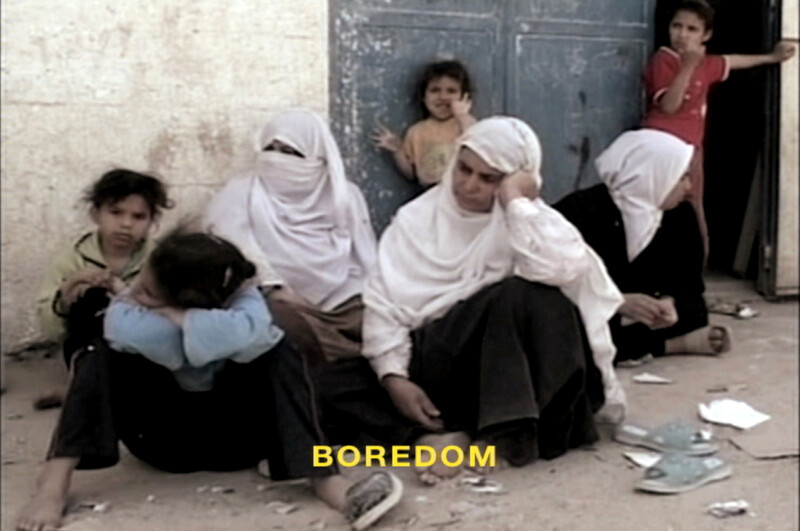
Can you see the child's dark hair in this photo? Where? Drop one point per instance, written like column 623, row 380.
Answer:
column 198, row 270
column 453, row 69
column 700, row 8
column 117, row 184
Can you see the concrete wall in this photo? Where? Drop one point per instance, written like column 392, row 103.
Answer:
column 174, row 87
column 786, row 280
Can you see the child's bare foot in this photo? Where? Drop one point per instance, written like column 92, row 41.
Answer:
column 45, row 510
column 50, row 399
column 431, row 475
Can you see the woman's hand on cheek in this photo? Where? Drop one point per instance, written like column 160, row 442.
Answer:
column 521, row 183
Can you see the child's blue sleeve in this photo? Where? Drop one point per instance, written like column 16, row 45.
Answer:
column 241, row 332
column 129, row 327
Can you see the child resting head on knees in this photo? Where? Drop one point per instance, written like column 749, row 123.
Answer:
column 194, row 311
column 185, row 273
column 124, row 205
column 677, row 80
column 191, row 270
column 443, row 92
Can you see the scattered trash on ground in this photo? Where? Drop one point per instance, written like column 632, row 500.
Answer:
column 202, row 489
column 280, row 507
column 472, row 511
column 647, row 378
column 732, row 412
column 263, row 468
column 727, row 388
column 316, row 525
column 223, row 490
column 733, row 309
column 150, row 498
column 729, row 508
column 481, row 485
column 15, row 416
column 628, row 364
column 410, row 521
column 98, row 507
column 421, row 499
column 642, row 459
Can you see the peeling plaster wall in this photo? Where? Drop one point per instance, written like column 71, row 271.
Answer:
column 174, row 87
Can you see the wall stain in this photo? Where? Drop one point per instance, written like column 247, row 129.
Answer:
column 162, row 152
column 216, row 142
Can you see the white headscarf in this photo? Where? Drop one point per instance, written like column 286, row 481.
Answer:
column 435, row 254
column 301, row 216
column 640, row 168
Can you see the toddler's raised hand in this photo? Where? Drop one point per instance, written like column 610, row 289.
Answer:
column 462, row 106
column 782, row 51
column 383, row 137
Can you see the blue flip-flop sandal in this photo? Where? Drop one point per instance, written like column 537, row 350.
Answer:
column 675, row 473
column 675, row 436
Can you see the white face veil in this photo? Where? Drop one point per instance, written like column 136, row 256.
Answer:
column 301, row 213
column 640, row 168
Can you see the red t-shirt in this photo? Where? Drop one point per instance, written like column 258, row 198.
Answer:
column 688, row 122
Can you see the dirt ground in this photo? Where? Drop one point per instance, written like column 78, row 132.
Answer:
column 587, row 489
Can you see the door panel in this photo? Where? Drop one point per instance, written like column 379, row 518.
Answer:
column 577, row 95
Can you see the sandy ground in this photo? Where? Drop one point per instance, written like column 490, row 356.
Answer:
column 587, row 489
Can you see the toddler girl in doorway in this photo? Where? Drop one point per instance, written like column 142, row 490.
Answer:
column 444, row 94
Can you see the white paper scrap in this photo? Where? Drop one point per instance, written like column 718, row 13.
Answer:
column 642, row 459
column 648, row 378
column 732, row 412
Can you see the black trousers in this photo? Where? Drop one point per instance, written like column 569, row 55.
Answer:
column 262, row 409
column 511, row 365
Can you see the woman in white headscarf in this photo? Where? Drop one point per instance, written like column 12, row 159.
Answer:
column 307, row 229
column 486, row 314
column 638, row 221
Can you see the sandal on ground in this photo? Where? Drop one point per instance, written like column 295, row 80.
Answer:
column 676, row 473
column 699, row 341
column 372, row 497
column 671, row 437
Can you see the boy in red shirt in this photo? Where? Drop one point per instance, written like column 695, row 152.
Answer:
column 677, row 80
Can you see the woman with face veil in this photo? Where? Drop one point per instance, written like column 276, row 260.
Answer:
column 486, row 314
column 307, row 229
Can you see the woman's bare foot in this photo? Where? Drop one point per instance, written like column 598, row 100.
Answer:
column 331, row 490
column 707, row 340
column 45, row 510
column 431, row 475
column 500, row 463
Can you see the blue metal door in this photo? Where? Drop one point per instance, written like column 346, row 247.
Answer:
column 570, row 69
